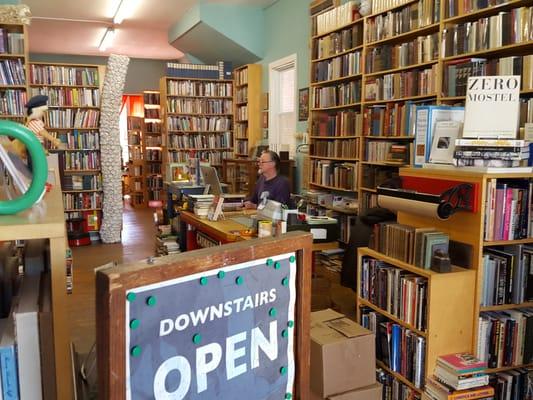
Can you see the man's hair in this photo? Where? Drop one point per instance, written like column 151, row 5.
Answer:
column 273, row 157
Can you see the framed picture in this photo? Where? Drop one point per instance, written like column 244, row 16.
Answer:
column 303, row 104
column 265, row 119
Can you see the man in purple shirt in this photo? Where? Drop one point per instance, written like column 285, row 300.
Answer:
column 270, row 185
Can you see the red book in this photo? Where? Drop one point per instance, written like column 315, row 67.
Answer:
column 462, row 363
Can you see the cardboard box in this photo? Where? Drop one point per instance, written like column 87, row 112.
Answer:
column 343, row 354
column 372, row 392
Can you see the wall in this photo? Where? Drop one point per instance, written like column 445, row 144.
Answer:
column 143, row 74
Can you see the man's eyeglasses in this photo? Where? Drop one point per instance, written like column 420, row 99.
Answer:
column 263, row 162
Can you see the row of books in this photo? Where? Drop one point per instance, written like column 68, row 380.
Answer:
column 152, row 141
column 153, row 155
column 389, row 119
column 153, row 168
column 399, row 348
column 402, row 84
column 152, row 127
column 241, row 131
column 154, row 182
column 220, row 70
column 75, row 161
column 199, row 106
column 502, row 29
column 388, row 152
column 395, row 291
column 415, row 16
column 419, row 50
column 135, row 153
column 61, row 75
column 72, row 118
column 11, row 42
column 72, row 97
column 241, row 113
column 338, row 95
column 200, row 141
column 241, row 147
column 241, row 94
column 369, row 200
column 213, row 157
column 338, row 67
column 338, row 42
column 12, row 72
column 79, row 140
column 454, row 8
column 335, row 18
column 507, row 275
column 513, row 385
column 241, row 77
column 339, row 124
column 135, row 171
column 81, row 182
column 154, row 195
column 412, row 245
column 373, row 176
column 152, row 113
column 505, row 338
column 508, row 212
column 198, row 123
column 345, row 224
column 82, row 201
column 151, row 98
column 394, row 389
column 13, row 102
column 135, row 123
column 384, row 5
column 336, row 148
column 200, row 89
column 334, row 174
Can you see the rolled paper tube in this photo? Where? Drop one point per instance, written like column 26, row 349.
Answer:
column 422, row 208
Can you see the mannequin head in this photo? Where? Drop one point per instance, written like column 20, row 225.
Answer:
column 37, row 106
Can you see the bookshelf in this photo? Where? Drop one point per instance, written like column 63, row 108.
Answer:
column 14, row 57
column 152, row 146
column 74, row 117
column 136, row 162
column 248, row 124
column 187, row 131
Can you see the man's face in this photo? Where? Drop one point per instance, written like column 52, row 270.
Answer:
column 265, row 164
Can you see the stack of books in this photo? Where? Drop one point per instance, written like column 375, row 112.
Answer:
column 459, row 376
column 492, row 153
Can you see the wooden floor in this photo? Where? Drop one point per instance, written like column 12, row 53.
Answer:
column 137, row 243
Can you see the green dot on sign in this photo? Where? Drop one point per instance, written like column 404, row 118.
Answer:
column 203, row 281
column 290, row 324
column 292, row 259
column 151, row 301
column 131, row 296
column 283, row 370
column 277, row 265
column 270, row 262
column 272, row 312
column 136, row 351
column 288, row 396
column 221, row 275
column 285, row 281
column 284, row 333
column 197, row 338
column 239, row 280
column 134, row 323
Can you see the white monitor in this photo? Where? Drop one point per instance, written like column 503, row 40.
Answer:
column 210, row 178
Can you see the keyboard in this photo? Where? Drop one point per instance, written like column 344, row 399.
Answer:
column 246, row 221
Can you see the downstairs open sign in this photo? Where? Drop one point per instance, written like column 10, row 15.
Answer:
column 226, row 326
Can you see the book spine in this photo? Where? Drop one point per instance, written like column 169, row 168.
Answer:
column 8, row 365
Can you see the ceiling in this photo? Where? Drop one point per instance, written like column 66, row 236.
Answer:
column 77, row 27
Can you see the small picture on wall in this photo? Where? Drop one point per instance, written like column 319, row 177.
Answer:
column 303, row 103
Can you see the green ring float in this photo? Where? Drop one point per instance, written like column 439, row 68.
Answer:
column 39, row 166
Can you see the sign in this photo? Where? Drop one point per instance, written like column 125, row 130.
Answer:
column 231, row 323
column 492, row 107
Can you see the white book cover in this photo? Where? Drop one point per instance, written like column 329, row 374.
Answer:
column 443, row 142
column 492, row 107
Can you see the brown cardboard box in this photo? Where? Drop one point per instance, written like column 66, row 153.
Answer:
column 372, row 392
column 343, row 355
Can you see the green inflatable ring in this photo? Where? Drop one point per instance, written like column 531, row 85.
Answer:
column 39, row 166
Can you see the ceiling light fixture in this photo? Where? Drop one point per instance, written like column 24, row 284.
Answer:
column 124, row 10
column 106, row 41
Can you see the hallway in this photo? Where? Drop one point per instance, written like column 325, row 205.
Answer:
column 137, row 243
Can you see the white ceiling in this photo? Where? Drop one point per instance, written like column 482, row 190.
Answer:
column 77, row 26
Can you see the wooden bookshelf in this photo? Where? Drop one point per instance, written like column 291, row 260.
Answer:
column 248, row 125
column 152, row 146
column 74, row 92
column 136, row 181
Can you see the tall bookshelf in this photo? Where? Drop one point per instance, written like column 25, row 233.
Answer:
column 197, row 120
column 14, row 51
column 152, row 146
column 248, row 123
column 137, row 165
column 74, row 118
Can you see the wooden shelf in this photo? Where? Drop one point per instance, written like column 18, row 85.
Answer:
column 12, row 55
column 420, row 97
column 340, row 28
column 353, row 49
column 62, row 85
column 406, row 35
column 72, row 129
column 390, row 316
column 174, row 78
column 199, row 149
column 82, row 209
column 407, row 3
column 338, row 209
column 198, row 114
column 337, row 107
column 12, row 87
column 494, row 51
column 383, row 164
column 200, row 97
column 389, row 137
column 486, row 11
column 502, row 369
column 335, row 158
column 504, row 307
column 343, row 78
column 77, row 107
column 401, row 378
column 12, row 116
column 508, row 242
column 332, row 187
column 369, row 190
column 333, row 137
column 82, row 171
column 184, row 131
column 400, row 69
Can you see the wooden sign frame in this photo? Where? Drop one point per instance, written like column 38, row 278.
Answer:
column 112, row 284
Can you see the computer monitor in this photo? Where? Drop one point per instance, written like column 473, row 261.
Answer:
column 210, row 177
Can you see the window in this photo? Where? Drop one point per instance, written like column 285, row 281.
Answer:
column 282, row 74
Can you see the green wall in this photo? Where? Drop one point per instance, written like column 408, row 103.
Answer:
column 143, row 74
